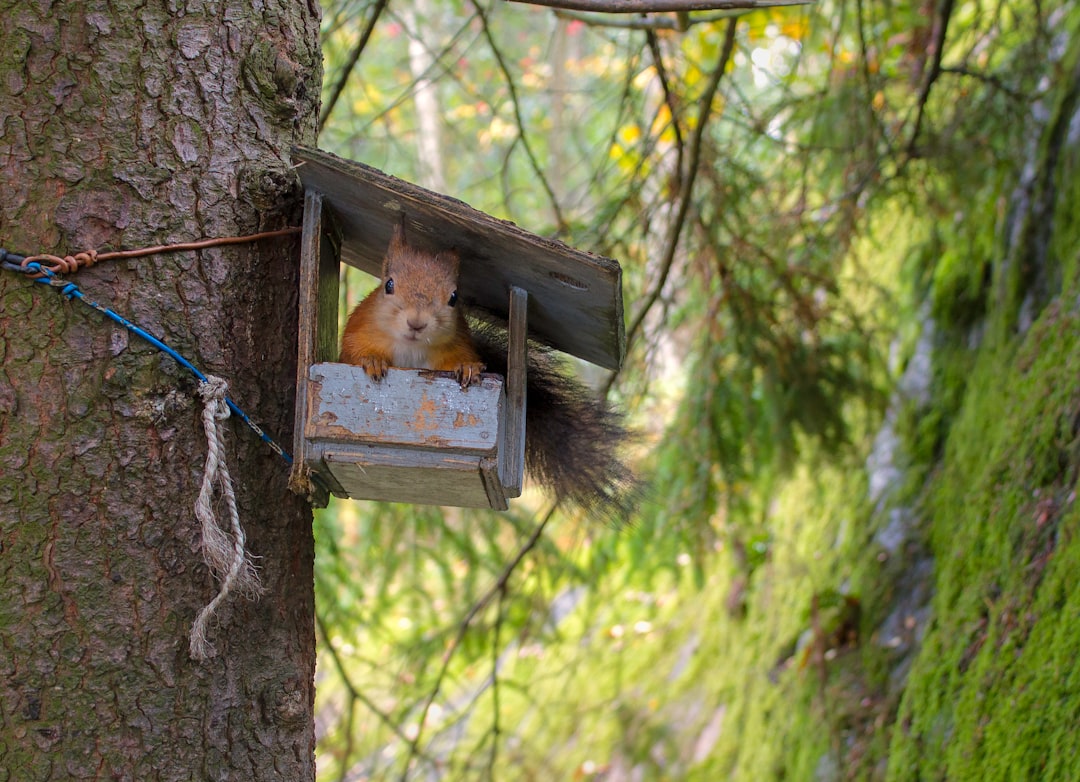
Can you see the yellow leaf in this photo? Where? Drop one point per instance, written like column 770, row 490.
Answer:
column 464, row 111
column 794, row 29
column 629, row 134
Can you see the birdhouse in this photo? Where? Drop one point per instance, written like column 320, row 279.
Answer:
column 416, row 436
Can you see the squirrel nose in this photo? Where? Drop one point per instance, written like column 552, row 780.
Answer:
column 417, row 324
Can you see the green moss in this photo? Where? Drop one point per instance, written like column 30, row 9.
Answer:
column 961, row 280
column 271, row 78
column 991, row 695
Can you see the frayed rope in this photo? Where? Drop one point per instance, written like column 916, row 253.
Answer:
column 222, row 546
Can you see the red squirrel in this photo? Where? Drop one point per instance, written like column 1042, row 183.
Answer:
column 413, row 319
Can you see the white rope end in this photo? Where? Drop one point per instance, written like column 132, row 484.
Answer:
column 223, row 546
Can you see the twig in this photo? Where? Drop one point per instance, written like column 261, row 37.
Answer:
column 867, row 81
column 350, row 64
column 669, row 98
column 688, row 179
column 437, row 69
column 658, row 6
column 941, row 26
column 560, row 221
column 989, row 78
column 354, row 693
column 485, row 600
column 495, row 683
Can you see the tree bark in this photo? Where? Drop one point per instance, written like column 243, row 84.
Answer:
column 125, row 124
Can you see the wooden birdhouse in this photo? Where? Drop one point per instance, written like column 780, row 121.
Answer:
column 416, row 436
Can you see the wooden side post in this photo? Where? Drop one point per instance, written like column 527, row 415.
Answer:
column 512, row 452
column 317, row 338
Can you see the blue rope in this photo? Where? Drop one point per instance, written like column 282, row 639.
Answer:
column 70, row 290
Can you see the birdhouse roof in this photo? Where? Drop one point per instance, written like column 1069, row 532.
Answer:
column 575, row 297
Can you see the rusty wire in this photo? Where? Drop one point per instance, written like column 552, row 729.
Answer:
column 72, row 263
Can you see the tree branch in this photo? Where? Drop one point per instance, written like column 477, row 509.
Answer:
column 658, row 6
column 941, row 26
column 680, row 24
column 989, row 78
column 355, row 696
column 497, row 589
column 669, row 99
column 689, row 177
column 560, row 221
column 495, row 728
column 354, row 57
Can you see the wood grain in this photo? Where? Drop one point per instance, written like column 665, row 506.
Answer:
column 512, row 470
column 414, row 436
column 317, row 331
column 575, row 297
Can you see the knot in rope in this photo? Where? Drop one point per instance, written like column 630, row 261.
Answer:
column 223, row 546
column 213, row 390
column 64, row 265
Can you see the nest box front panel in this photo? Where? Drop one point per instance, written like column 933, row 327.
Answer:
column 405, row 408
column 414, row 436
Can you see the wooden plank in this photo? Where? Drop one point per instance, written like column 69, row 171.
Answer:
column 327, row 290
column 310, row 239
column 315, row 254
column 496, row 492
column 419, row 477
column 575, row 297
column 512, row 451
column 407, row 408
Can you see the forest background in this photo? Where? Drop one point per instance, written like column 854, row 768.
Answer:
column 849, row 239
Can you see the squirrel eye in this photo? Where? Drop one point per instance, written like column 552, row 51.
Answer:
column 389, row 287
column 453, row 299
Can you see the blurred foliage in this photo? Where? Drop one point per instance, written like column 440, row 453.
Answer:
column 790, row 192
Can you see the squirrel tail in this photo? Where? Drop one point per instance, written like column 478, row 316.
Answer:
column 572, row 437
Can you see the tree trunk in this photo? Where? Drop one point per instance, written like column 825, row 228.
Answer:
column 125, row 124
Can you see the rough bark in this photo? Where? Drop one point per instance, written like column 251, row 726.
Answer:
column 125, row 124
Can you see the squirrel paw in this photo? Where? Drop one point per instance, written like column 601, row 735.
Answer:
column 468, row 373
column 374, row 366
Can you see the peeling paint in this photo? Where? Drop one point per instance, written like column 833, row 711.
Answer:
column 426, row 418
column 465, row 419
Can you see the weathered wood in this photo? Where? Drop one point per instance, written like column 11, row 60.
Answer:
column 414, row 436
column 317, row 338
column 327, row 291
column 498, row 497
column 576, row 297
column 512, row 462
column 418, row 477
column 414, row 408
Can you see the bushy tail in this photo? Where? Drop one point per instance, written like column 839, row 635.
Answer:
column 572, row 437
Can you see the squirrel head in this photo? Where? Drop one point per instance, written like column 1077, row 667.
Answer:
column 419, row 293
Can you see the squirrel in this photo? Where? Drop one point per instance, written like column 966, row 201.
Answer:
column 412, row 320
